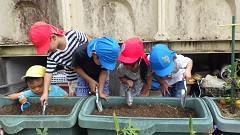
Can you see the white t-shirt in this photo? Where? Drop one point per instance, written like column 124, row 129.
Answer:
column 180, row 64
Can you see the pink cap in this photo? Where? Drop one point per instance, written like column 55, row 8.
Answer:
column 40, row 33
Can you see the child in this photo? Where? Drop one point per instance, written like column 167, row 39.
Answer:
column 134, row 70
column 60, row 45
column 170, row 70
column 92, row 62
column 34, row 78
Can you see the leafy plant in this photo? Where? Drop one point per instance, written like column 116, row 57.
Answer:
column 192, row 132
column 235, row 80
column 39, row 132
column 234, row 83
column 129, row 130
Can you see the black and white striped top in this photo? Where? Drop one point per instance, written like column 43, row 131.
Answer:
column 64, row 57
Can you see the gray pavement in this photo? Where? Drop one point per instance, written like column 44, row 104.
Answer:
column 154, row 93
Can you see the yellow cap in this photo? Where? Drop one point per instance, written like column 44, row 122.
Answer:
column 35, row 71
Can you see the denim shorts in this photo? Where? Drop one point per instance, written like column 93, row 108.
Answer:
column 176, row 89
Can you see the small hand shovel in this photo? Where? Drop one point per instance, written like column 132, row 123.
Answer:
column 184, row 95
column 23, row 106
column 129, row 96
column 98, row 102
column 44, row 108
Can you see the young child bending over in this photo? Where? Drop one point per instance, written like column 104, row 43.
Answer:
column 34, row 78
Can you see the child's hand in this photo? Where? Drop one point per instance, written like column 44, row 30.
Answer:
column 92, row 85
column 130, row 83
column 65, row 95
column 104, row 96
column 43, row 98
column 164, row 88
column 23, row 100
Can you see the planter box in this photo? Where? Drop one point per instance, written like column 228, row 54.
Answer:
column 223, row 123
column 104, row 125
column 57, row 124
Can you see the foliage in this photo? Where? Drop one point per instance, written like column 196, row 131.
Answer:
column 129, row 130
column 234, row 83
column 39, row 132
column 192, row 132
column 235, row 80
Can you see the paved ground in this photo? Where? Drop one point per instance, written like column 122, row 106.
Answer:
column 155, row 93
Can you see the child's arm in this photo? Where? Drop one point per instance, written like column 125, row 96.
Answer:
column 163, row 85
column 147, row 86
column 121, row 73
column 88, row 38
column 187, row 73
column 102, row 80
column 125, row 80
column 47, row 82
column 92, row 82
column 14, row 96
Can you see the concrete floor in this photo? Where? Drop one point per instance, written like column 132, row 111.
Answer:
column 155, row 93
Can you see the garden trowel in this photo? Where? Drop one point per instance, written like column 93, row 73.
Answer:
column 23, row 106
column 184, row 94
column 98, row 101
column 44, row 108
column 129, row 96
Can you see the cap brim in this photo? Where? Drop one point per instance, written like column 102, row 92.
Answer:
column 127, row 59
column 108, row 66
column 23, row 78
column 44, row 48
column 165, row 71
column 30, row 75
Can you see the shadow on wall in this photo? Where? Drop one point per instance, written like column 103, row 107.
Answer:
column 114, row 82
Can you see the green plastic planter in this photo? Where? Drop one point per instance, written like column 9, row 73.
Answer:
column 230, row 125
column 104, row 125
column 57, row 124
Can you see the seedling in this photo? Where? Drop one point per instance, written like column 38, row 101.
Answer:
column 192, row 132
column 129, row 130
column 44, row 132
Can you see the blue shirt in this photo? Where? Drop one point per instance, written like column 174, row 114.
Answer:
column 55, row 91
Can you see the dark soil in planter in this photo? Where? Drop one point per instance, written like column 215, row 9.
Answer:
column 35, row 109
column 156, row 110
column 225, row 111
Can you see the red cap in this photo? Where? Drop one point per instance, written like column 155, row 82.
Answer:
column 131, row 50
column 40, row 33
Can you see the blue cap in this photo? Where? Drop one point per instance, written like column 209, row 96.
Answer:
column 107, row 50
column 161, row 59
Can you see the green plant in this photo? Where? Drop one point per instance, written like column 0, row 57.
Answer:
column 39, row 132
column 129, row 130
column 233, row 80
column 192, row 132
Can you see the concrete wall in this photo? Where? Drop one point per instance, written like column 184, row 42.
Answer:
column 16, row 17
column 151, row 20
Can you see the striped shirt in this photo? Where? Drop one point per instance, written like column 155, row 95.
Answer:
column 64, row 57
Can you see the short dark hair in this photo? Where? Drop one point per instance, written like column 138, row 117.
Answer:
column 31, row 79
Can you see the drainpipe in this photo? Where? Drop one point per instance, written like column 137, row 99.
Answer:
column 7, row 85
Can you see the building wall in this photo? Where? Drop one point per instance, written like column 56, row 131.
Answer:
column 151, row 20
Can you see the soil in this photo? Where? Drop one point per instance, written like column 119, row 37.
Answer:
column 35, row 109
column 156, row 110
column 136, row 110
column 225, row 111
